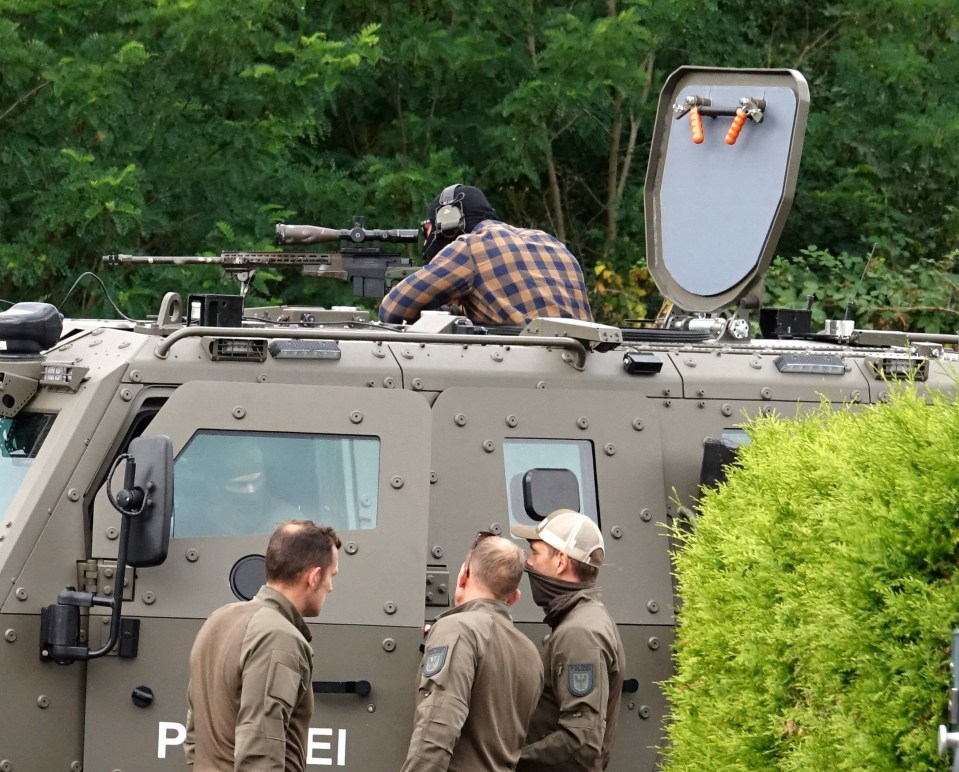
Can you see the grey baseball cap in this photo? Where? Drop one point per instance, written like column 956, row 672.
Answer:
column 569, row 532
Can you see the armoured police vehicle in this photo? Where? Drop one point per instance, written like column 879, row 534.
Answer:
column 144, row 463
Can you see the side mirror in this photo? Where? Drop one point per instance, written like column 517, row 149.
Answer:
column 153, row 475
column 146, row 503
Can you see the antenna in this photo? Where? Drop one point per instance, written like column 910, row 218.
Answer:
column 850, row 302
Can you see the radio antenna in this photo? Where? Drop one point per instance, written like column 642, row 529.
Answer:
column 849, row 304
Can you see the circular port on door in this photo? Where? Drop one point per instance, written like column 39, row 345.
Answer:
column 247, row 576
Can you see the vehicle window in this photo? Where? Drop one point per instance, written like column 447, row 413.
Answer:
column 735, row 437
column 22, row 437
column 546, row 468
column 232, row 483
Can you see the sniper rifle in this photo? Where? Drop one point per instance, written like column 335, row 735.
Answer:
column 360, row 259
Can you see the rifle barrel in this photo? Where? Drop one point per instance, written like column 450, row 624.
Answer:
column 228, row 260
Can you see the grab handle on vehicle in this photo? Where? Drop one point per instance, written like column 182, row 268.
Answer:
column 361, row 688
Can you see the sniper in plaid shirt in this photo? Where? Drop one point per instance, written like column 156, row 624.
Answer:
column 500, row 274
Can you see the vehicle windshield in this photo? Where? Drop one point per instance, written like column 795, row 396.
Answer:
column 22, row 437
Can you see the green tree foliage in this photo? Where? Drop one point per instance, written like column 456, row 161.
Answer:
column 922, row 295
column 157, row 126
column 547, row 106
column 819, row 595
column 881, row 159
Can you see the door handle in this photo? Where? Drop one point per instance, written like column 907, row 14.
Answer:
column 361, row 688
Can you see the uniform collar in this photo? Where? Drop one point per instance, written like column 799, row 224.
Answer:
column 559, row 608
column 489, row 605
column 275, row 599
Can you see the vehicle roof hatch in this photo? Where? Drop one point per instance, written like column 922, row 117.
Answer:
column 720, row 182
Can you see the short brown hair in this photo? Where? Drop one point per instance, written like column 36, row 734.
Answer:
column 497, row 564
column 296, row 546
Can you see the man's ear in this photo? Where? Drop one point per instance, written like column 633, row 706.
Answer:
column 314, row 576
column 463, row 576
column 514, row 597
column 564, row 565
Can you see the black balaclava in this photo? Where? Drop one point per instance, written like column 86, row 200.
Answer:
column 476, row 208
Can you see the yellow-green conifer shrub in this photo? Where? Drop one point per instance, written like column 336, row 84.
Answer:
column 819, row 594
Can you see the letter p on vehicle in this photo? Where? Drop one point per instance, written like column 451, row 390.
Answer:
column 170, row 734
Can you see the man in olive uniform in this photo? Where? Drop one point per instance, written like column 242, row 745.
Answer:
column 575, row 720
column 250, row 694
column 480, row 676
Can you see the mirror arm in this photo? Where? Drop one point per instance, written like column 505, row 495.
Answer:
column 116, row 602
column 129, row 502
column 71, row 597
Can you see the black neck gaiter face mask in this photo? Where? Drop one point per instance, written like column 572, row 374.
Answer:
column 546, row 589
column 434, row 244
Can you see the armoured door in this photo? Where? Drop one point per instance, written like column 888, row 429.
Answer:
column 247, row 457
column 506, row 456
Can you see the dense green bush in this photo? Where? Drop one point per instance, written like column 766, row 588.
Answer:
column 819, row 594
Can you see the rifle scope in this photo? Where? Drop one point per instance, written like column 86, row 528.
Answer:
column 315, row 234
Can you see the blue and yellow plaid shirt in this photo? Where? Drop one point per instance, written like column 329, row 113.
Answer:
column 499, row 274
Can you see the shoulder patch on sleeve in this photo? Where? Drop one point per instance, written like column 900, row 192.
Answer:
column 580, row 679
column 434, row 660
column 284, row 684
